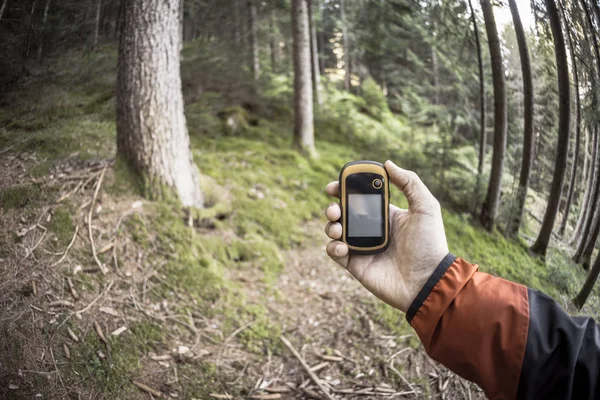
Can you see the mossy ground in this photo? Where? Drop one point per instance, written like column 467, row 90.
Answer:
column 260, row 194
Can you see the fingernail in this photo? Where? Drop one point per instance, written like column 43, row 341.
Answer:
column 338, row 251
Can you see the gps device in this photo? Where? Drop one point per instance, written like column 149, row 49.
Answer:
column 364, row 200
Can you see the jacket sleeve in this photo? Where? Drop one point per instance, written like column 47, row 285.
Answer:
column 512, row 341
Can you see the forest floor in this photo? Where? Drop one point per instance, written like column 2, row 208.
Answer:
column 107, row 295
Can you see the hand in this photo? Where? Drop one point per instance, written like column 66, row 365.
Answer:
column 417, row 243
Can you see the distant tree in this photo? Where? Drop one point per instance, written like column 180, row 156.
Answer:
column 526, row 160
column 490, row 207
column 482, row 124
column 152, row 135
column 573, row 176
column 97, row 24
column 345, row 45
column 274, row 41
column 303, row 96
column 253, row 38
column 314, row 54
column 42, row 35
column 562, row 145
column 2, row 7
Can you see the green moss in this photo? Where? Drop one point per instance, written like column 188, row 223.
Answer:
column 61, row 225
column 19, row 196
column 124, row 180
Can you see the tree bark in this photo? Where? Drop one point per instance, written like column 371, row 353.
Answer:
column 588, row 285
column 152, row 134
column 40, row 50
column 589, row 215
column 253, row 30
column 314, row 55
column 562, row 145
column 181, row 22
column 587, row 199
column 274, row 42
column 237, row 34
column 2, row 7
column 346, row 45
column 490, row 207
column 303, row 96
column 590, row 242
column 482, row 124
column 97, row 25
column 573, row 178
column 515, row 222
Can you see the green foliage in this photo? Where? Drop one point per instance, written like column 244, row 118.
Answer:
column 61, row 225
column 375, row 101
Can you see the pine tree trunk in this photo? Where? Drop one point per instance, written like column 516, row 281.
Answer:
column 151, row 128
column 562, row 145
column 181, row 22
column 42, row 34
column 588, row 285
column 274, row 42
column 573, row 179
column 253, row 30
column 590, row 242
column 314, row 55
column 2, row 7
column 490, row 207
column 346, row 46
column 97, row 25
column 482, row 124
column 587, row 198
column 515, row 222
column 303, row 96
column 237, row 26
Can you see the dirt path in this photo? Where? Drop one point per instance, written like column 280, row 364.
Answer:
column 333, row 322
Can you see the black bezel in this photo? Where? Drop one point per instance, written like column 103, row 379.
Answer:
column 361, row 183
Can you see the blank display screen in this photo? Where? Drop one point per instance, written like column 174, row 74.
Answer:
column 364, row 215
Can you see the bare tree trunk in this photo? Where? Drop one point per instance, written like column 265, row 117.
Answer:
column 434, row 63
column 237, row 34
column 152, row 134
column 587, row 199
column 253, row 30
column 590, row 242
column 482, row 127
column 573, row 179
column 303, row 96
column 562, row 145
column 181, row 23
column 314, row 55
column 490, row 207
column 97, row 26
column 274, row 42
column 587, row 221
column 40, row 50
column 515, row 222
column 588, row 285
column 2, row 7
column 346, row 45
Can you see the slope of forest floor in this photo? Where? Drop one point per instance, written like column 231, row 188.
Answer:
column 195, row 305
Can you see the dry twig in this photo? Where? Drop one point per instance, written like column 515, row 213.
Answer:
column 100, row 265
column 106, row 289
column 148, row 389
column 64, row 255
column 312, row 375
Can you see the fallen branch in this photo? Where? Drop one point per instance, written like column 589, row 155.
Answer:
column 100, row 265
column 64, row 255
column 106, row 289
column 310, row 373
column 30, row 251
column 148, row 389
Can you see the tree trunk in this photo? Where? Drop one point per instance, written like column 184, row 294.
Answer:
column 181, row 22
column 434, row 62
column 303, row 96
column 314, row 55
column 590, row 242
column 562, row 145
column 588, row 285
column 573, row 179
column 2, row 7
column 482, row 130
column 587, row 199
column 42, row 34
column 490, row 207
column 97, row 25
column 237, row 26
column 345, row 45
column 253, row 30
column 515, row 222
column 587, row 221
column 151, row 128
column 274, row 42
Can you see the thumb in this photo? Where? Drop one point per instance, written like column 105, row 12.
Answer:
column 410, row 184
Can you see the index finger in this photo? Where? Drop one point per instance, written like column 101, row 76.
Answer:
column 333, row 189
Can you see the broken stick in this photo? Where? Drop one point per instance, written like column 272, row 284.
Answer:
column 310, row 373
column 100, row 265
